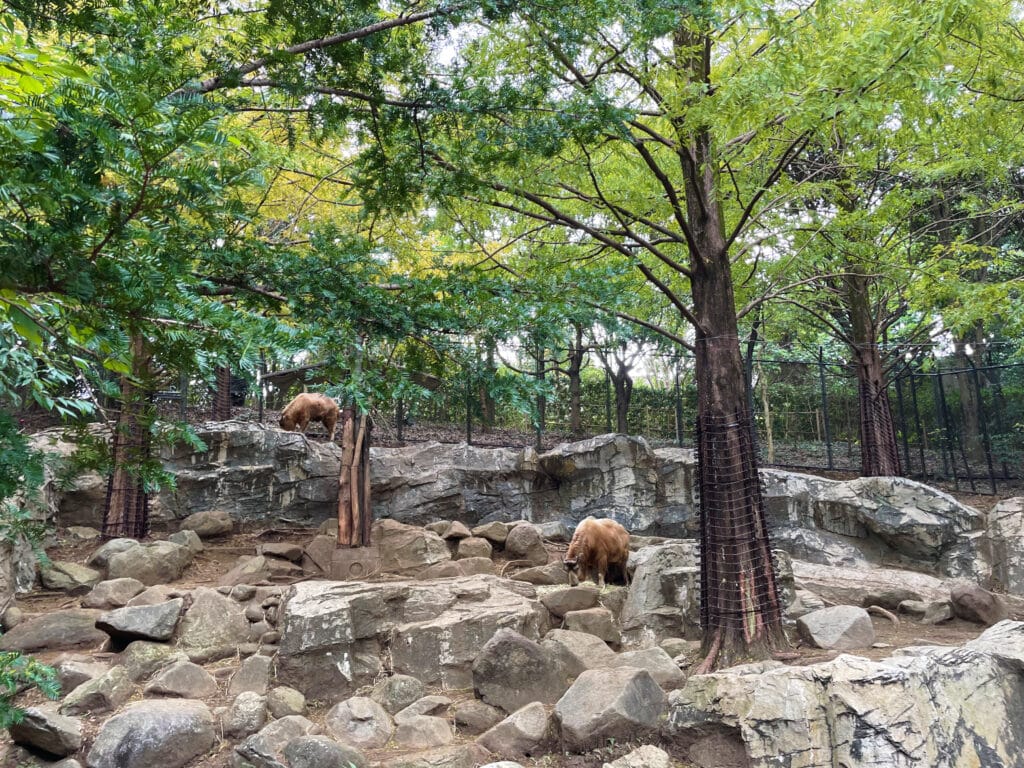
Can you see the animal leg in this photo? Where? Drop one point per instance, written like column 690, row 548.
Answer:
column 602, row 568
column 331, row 422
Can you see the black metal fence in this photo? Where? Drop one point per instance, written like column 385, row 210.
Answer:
column 955, row 424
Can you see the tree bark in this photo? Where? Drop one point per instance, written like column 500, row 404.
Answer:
column 576, row 354
column 222, row 394
column 740, row 610
column 879, row 449
column 126, row 512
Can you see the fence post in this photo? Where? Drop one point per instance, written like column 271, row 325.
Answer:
column 607, row 401
column 469, row 406
column 917, row 423
column 984, row 423
column 824, row 406
column 679, row 407
column 898, row 383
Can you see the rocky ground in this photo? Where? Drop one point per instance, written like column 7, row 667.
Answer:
column 221, row 554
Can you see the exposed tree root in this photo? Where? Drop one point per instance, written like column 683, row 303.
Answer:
column 880, row 611
column 709, row 661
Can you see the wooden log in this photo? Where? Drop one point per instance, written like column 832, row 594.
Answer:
column 345, row 531
column 355, row 487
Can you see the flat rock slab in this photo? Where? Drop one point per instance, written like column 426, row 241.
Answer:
column 143, row 622
column 68, row 630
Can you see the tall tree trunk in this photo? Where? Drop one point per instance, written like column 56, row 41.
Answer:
column 487, row 406
column 222, row 394
column 623, row 384
column 740, row 611
column 126, row 512
column 879, row 449
column 576, row 354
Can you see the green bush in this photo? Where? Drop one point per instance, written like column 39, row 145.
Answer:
column 18, row 672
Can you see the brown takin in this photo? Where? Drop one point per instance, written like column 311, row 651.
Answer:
column 307, row 407
column 598, row 546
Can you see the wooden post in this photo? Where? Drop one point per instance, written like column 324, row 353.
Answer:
column 345, row 532
column 355, row 515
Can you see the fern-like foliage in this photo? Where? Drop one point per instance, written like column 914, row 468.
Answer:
column 18, row 673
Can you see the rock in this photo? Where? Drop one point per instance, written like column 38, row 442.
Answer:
column 82, row 533
column 184, row 680
column 459, row 756
column 677, row 646
column 321, row 752
column 101, row 557
column 69, row 577
column 212, row 627
column 846, row 586
column 101, row 694
column 248, row 570
column 474, row 716
column 554, row 530
column 841, row 627
column 438, row 527
column 594, row 621
column 253, row 675
column 158, row 593
column 663, row 596
column 473, row 546
column 113, row 593
column 405, row 549
column 646, row 756
column 656, row 661
column 318, row 553
column 495, row 532
column 435, row 706
column 142, row 658
column 72, row 672
column 524, row 732
column 157, row 563
column 524, row 542
column 146, row 622
column 546, row 575
column 621, row 704
column 209, row 523
column 472, row 566
column 361, row 722
column 937, row 612
column 972, row 603
column 164, row 733
column 44, row 728
column 446, row 570
column 283, row 549
column 503, row 764
column 513, row 671
column 11, row 618
column 578, row 651
column 561, row 601
column 1006, row 544
column 189, row 539
column 243, row 593
column 67, row 630
column 889, row 599
column 397, row 692
column 246, row 715
column 334, row 633
column 283, row 701
column 455, row 530
column 803, row 603
column 265, row 749
column 423, row 732
column 936, row 707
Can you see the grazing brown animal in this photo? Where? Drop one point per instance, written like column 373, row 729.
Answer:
column 307, row 407
column 597, row 546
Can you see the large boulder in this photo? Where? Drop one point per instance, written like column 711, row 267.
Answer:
column 156, row 563
column 44, row 728
column 1006, row 544
column 67, row 630
column 407, row 550
column 513, row 671
column 929, row 706
column 169, row 734
column 144, row 622
column 333, row 634
column 663, row 597
column 523, row 732
column 213, row 626
column 840, row 627
column 361, row 722
column 603, row 704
